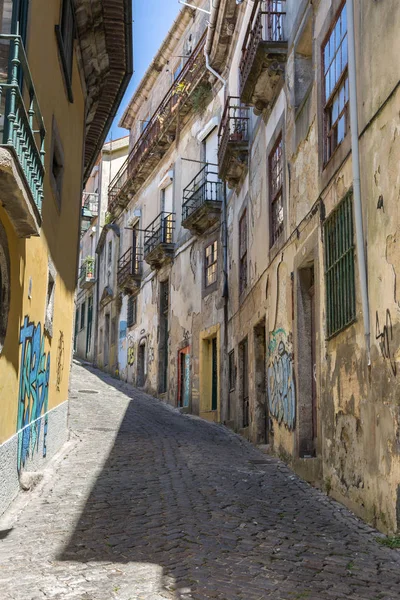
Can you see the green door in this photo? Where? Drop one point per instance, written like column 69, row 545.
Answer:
column 89, row 325
column 214, row 383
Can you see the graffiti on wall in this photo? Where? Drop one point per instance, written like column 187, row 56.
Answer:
column 33, row 394
column 280, row 376
column 60, row 360
column 384, row 337
column 122, row 346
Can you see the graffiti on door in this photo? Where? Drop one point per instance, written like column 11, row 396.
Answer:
column 281, row 384
column 33, row 391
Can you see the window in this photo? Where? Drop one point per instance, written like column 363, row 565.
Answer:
column 144, row 123
column 243, row 252
column 275, row 173
column 51, row 287
column 65, row 33
column 57, row 165
column 109, row 252
column 211, row 264
column 177, row 71
column 232, row 371
column 132, row 311
column 336, row 85
column 83, row 313
column 339, row 267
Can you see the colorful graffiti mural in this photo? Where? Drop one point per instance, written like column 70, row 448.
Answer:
column 281, row 384
column 33, row 391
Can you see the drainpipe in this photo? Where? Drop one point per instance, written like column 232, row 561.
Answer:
column 214, row 6
column 362, row 267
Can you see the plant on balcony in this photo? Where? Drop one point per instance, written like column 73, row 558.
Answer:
column 88, row 264
column 200, row 97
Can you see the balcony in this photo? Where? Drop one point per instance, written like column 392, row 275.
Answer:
column 87, row 274
column 159, row 240
column 264, row 54
column 202, row 200
column 160, row 131
column 233, row 142
column 90, row 205
column 22, row 136
column 129, row 273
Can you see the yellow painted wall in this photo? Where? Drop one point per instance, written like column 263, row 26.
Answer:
column 60, row 229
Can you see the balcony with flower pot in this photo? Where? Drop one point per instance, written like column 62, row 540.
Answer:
column 87, row 273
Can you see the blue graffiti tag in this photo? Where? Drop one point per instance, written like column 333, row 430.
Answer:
column 281, row 385
column 33, row 391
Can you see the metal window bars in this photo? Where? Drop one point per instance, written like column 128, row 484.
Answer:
column 160, row 231
column 130, row 264
column 204, row 187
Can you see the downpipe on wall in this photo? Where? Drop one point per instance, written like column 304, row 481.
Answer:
column 362, row 267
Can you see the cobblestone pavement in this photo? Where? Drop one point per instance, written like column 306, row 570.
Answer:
column 146, row 504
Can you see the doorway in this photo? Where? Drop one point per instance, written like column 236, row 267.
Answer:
column 307, row 368
column 261, row 415
column 210, row 367
column 184, row 377
column 164, row 337
column 141, row 364
column 107, row 339
column 89, row 326
column 244, row 381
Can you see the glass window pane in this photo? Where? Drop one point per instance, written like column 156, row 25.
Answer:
column 341, row 129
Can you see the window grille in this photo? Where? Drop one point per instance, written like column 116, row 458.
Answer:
column 339, row 267
column 232, row 371
column 132, row 311
column 275, row 167
column 336, row 84
column 243, row 252
column 211, row 263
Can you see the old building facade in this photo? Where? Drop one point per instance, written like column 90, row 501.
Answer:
column 257, row 287
column 94, row 211
column 63, row 69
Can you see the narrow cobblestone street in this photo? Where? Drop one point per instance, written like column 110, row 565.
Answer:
column 145, row 504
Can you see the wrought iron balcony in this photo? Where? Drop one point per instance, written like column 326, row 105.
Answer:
column 202, row 200
column 159, row 240
column 87, row 274
column 90, row 205
column 160, row 131
column 22, row 136
column 264, row 54
column 233, row 142
column 129, row 273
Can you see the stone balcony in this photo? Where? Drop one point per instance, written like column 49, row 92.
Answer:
column 129, row 273
column 159, row 243
column 22, row 136
column 264, row 54
column 233, row 142
column 202, row 200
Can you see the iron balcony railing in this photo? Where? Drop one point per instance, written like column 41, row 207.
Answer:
column 160, row 231
column 129, row 265
column 87, row 273
column 90, row 202
column 266, row 25
column 178, row 92
column 205, row 187
column 234, row 126
column 23, row 128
